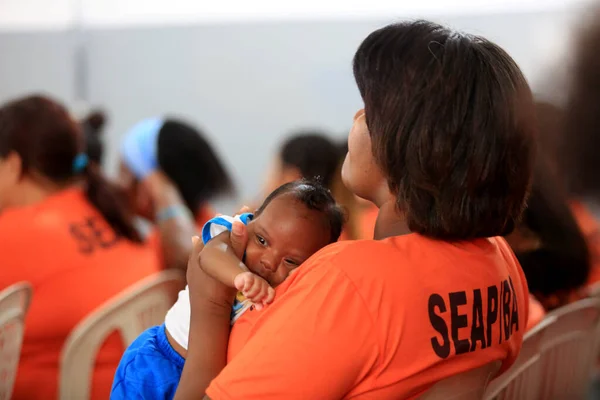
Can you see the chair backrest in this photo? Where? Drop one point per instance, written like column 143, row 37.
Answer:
column 469, row 385
column 137, row 308
column 523, row 379
column 14, row 302
column 570, row 349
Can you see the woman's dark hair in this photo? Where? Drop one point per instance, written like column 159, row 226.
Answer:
column 314, row 196
column 562, row 261
column 187, row 158
column 92, row 126
column 452, row 126
column 581, row 134
column 313, row 154
column 48, row 141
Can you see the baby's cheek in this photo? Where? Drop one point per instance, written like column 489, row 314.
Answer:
column 252, row 254
column 282, row 273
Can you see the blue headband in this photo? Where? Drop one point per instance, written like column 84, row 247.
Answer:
column 80, row 162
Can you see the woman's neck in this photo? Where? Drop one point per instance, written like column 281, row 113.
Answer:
column 390, row 222
column 32, row 191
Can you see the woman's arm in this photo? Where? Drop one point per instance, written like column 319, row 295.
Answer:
column 210, row 302
column 219, row 260
column 208, row 340
column 174, row 222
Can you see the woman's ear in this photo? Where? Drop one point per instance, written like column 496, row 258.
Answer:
column 359, row 114
column 12, row 167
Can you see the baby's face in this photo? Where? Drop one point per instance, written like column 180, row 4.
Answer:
column 282, row 237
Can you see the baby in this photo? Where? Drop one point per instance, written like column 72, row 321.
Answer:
column 294, row 222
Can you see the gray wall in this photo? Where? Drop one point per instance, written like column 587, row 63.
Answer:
column 40, row 62
column 247, row 85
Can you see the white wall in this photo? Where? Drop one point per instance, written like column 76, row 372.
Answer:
column 64, row 14
column 249, row 76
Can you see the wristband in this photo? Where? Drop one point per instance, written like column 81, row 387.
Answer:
column 171, row 212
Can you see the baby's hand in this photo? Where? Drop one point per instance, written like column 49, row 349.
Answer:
column 254, row 288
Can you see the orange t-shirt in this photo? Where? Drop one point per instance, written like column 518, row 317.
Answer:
column 75, row 262
column 591, row 230
column 153, row 240
column 379, row 320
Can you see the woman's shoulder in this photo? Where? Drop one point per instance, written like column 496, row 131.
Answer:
column 357, row 253
column 393, row 247
column 407, row 254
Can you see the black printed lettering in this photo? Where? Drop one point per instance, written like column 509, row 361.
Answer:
column 477, row 329
column 93, row 234
column 500, row 313
column 506, row 309
column 514, row 316
column 437, row 322
column 85, row 243
column 458, row 321
column 475, row 318
column 492, row 311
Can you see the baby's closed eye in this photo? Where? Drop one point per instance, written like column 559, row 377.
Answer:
column 291, row 263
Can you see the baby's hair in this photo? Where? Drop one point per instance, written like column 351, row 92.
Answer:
column 314, row 196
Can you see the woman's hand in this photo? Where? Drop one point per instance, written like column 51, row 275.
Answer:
column 205, row 290
column 210, row 302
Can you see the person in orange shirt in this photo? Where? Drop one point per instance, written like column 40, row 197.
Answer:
column 191, row 175
column 551, row 248
column 449, row 120
column 579, row 134
column 575, row 129
column 66, row 231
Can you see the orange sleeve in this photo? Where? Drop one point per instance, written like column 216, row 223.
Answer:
column 304, row 349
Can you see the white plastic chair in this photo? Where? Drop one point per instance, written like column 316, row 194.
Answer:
column 14, row 302
column 569, row 350
column 469, row 385
column 137, row 308
column 523, row 379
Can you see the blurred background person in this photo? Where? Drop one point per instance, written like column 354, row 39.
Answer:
column 93, row 130
column 170, row 172
column 68, row 232
column 551, row 248
column 309, row 154
column 578, row 135
column 553, row 132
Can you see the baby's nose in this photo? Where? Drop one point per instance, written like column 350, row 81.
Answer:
column 268, row 264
